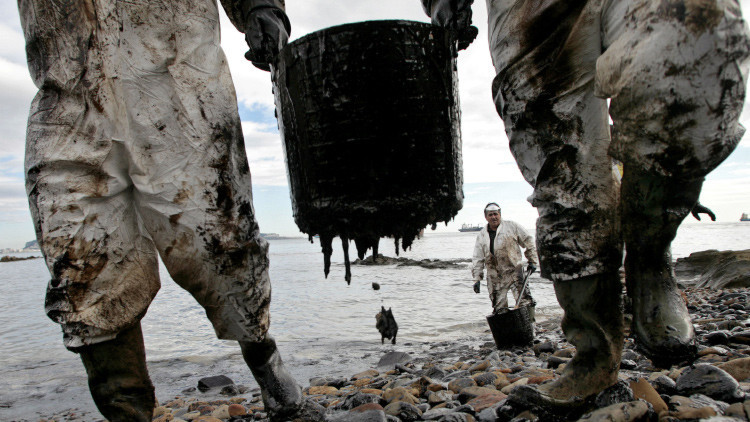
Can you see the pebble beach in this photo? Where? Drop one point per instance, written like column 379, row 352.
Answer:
column 470, row 380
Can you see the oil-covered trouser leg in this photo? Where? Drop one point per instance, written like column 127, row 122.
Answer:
column 188, row 165
column 103, row 266
column 545, row 56
column 676, row 73
column 118, row 377
column 497, row 287
column 593, row 323
column 193, row 192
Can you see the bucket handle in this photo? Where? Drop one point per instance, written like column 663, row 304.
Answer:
column 523, row 289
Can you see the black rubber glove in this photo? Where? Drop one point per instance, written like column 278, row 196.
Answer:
column 698, row 209
column 454, row 15
column 531, row 268
column 267, row 31
column 476, row 286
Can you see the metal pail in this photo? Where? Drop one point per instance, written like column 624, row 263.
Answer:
column 369, row 116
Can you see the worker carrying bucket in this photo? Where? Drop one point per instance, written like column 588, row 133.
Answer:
column 498, row 249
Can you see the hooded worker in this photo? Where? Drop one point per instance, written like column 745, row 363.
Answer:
column 498, row 250
column 135, row 148
column 675, row 72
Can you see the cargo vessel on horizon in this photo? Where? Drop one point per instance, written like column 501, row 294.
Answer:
column 470, row 227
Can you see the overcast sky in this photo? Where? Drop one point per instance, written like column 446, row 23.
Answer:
column 490, row 173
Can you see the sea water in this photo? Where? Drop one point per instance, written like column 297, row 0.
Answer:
column 322, row 325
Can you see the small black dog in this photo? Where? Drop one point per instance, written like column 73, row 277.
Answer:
column 386, row 324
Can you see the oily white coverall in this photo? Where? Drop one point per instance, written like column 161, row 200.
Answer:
column 134, row 147
column 504, row 267
column 675, row 71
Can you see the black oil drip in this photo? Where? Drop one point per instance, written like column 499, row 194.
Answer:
column 326, row 241
column 345, row 246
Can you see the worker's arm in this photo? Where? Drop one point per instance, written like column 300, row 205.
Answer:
column 527, row 242
column 477, row 264
column 265, row 25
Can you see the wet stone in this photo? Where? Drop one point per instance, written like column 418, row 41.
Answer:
column 358, row 399
column 620, row 392
column 739, row 369
column 438, row 397
column 389, row 360
column 664, row 385
column 620, row 412
column 742, row 337
column 704, row 401
column 545, row 347
column 628, row 364
column 739, row 410
column 436, row 414
column 485, row 378
column 710, row 381
column 485, row 401
column 684, row 408
column 366, row 413
column 459, row 384
column 404, row 411
column 470, row 393
column 457, row 374
column 554, row 361
column 717, row 337
column 457, row 417
column 207, row 383
column 645, row 391
column 435, row 373
column 400, row 394
column 487, row 415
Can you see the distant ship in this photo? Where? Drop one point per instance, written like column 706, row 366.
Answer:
column 470, row 228
column 745, row 217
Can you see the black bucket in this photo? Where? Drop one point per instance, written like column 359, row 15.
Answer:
column 514, row 328
column 369, row 115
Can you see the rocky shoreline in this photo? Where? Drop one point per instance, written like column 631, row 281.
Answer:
column 8, row 258
column 454, row 382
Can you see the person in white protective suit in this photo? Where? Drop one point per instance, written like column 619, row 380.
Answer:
column 498, row 249
column 675, row 72
column 134, row 148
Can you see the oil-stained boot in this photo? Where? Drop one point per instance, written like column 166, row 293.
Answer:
column 661, row 325
column 282, row 396
column 118, row 377
column 653, row 208
column 593, row 323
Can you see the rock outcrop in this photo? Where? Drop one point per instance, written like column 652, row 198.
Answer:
column 715, row 269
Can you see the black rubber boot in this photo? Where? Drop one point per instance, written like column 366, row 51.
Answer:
column 593, row 323
column 282, row 396
column 118, row 377
column 653, row 208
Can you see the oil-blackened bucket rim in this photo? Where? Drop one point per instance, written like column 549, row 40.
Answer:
column 379, row 23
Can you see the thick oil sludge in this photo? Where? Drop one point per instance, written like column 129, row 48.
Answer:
column 369, row 114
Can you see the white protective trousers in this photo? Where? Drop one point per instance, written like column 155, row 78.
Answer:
column 134, row 147
column 675, row 71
